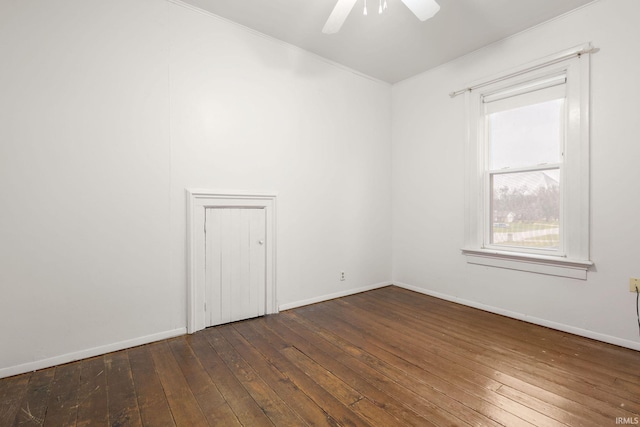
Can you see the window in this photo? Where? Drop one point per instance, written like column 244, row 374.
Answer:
column 527, row 201
column 524, row 143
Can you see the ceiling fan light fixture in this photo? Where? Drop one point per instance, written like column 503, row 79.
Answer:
column 423, row 9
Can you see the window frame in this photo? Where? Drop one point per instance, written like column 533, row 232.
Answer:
column 573, row 258
column 533, row 91
column 488, row 208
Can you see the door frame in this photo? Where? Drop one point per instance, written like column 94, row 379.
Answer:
column 198, row 200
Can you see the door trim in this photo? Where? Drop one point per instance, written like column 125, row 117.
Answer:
column 197, row 201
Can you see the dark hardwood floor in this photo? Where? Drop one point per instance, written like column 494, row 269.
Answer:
column 388, row 357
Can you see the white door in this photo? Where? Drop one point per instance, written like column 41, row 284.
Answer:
column 235, row 270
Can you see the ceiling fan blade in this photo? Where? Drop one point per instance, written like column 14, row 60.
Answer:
column 423, row 9
column 338, row 16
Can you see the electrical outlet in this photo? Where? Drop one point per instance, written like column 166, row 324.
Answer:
column 342, row 278
column 634, row 283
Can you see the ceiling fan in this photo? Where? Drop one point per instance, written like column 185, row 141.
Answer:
column 423, row 9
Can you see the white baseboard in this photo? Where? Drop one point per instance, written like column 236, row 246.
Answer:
column 296, row 304
column 535, row 320
column 96, row 351
column 91, row 352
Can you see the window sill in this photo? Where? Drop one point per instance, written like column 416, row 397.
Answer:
column 541, row 264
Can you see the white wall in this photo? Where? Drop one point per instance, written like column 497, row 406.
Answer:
column 109, row 110
column 428, row 181
column 84, row 183
column 252, row 114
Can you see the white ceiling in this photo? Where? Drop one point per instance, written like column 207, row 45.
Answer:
column 395, row 45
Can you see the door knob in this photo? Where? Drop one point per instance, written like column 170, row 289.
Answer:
column 261, row 242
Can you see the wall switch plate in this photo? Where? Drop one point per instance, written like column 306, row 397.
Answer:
column 633, row 283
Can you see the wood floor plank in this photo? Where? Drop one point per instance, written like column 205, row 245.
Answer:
column 527, row 367
column 243, row 405
column 526, row 339
column 553, row 346
column 555, row 379
column 212, row 403
column 152, row 401
column 93, row 409
column 487, row 403
column 462, row 416
column 183, row 405
column 273, row 406
column 629, row 387
column 490, row 360
column 477, row 344
column 445, row 403
column 302, row 404
column 386, row 357
column 350, row 389
column 596, row 352
column 270, row 347
column 349, row 397
column 403, row 403
column 34, row 403
column 62, row 409
column 555, row 411
column 339, row 389
column 492, row 378
column 448, row 353
column 12, row 391
column 123, row 403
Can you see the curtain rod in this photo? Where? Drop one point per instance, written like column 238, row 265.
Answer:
column 587, row 49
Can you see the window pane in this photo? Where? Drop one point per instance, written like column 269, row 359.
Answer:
column 525, row 209
column 526, row 136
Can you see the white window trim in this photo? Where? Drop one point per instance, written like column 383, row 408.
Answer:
column 573, row 261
